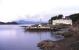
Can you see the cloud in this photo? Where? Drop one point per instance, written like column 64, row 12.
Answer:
column 17, row 9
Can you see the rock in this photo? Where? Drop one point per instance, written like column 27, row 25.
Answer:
column 74, row 46
column 46, row 44
column 68, row 34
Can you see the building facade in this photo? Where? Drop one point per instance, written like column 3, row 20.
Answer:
column 62, row 21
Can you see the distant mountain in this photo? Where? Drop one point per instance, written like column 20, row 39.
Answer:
column 20, row 22
column 3, row 23
column 26, row 22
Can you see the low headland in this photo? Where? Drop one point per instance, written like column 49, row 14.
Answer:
column 71, row 37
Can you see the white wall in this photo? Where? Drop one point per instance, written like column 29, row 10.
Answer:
column 64, row 21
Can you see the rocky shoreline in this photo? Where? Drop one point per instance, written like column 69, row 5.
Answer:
column 70, row 41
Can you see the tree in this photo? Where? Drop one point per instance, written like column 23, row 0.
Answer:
column 74, row 17
column 59, row 16
column 54, row 18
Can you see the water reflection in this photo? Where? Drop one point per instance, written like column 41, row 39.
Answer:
column 14, row 38
column 56, row 37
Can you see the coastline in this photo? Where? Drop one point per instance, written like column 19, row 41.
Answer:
column 68, row 41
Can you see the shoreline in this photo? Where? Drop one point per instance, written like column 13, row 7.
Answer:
column 68, row 41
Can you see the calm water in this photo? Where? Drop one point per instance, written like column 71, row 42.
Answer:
column 13, row 37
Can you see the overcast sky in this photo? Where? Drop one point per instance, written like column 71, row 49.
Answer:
column 33, row 9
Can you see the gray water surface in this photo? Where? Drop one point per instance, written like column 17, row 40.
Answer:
column 13, row 37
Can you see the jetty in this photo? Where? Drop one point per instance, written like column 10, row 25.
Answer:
column 40, row 27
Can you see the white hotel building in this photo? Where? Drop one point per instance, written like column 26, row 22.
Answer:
column 62, row 21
